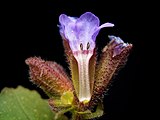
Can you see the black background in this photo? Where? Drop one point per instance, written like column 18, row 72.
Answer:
column 30, row 29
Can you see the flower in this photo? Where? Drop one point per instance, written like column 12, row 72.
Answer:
column 81, row 32
column 83, row 96
column 81, row 35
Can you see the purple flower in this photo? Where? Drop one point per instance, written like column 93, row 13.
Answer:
column 81, row 32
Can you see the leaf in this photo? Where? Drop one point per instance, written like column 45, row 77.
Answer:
column 23, row 104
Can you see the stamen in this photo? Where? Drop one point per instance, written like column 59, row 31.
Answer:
column 81, row 46
column 88, row 45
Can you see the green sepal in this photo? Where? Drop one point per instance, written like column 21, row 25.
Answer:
column 73, row 66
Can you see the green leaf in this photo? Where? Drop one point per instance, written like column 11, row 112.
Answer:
column 23, row 104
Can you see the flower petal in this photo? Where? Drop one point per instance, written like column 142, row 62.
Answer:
column 100, row 27
column 106, row 25
column 81, row 32
column 86, row 25
column 67, row 27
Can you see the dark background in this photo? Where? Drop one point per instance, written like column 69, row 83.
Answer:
column 30, row 29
